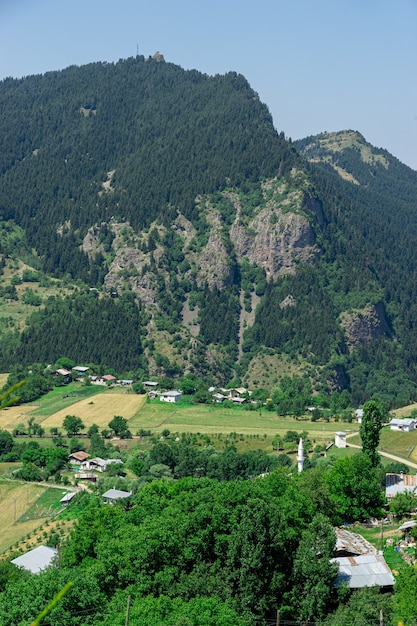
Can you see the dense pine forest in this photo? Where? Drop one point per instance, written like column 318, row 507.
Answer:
column 188, row 236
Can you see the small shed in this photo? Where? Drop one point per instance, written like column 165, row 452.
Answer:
column 340, row 440
column 37, row 559
column 170, row 396
column 67, row 498
column 112, row 495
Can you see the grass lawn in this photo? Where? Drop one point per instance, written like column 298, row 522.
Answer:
column 45, row 505
column 401, row 444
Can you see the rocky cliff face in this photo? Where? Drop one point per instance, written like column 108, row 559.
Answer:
column 280, row 234
column 276, row 232
column 364, row 326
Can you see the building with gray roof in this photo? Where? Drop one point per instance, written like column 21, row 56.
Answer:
column 37, row 559
column 364, row 570
column 112, row 495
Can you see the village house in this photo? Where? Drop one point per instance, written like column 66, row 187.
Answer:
column 360, row 564
column 405, row 425
column 103, row 380
column 66, row 375
column 170, row 396
column 359, row 416
column 98, row 464
column 76, row 458
column 81, row 370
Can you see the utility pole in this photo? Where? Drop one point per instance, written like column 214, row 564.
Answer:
column 127, row 611
column 278, row 620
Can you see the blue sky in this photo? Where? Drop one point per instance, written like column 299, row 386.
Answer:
column 319, row 65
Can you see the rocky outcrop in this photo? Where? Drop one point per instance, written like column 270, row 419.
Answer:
column 214, row 265
column 275, row 240
column 364, row 326
column 128, row 265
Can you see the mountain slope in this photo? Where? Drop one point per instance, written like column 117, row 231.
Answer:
column 172, row 192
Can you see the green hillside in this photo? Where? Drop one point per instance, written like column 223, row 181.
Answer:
column 188, row 236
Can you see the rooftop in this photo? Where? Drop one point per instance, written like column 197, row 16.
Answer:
column 37, row 559
column 365, row 570
column 116, row 494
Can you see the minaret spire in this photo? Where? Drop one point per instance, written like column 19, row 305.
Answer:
column 300, row 456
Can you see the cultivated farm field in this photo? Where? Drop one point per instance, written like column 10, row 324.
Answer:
column 99, row 410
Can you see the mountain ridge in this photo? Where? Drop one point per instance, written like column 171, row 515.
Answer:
column 173, row 190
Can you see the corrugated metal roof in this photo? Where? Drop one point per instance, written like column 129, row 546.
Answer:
column 399, row 483
column 68, row 497
column 346, row 541
column 365, row 570
column 408, row 525
column 115, row 494
column 37, row 559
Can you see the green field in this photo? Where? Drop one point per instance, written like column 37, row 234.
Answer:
column 46, row 505
column 193, row 418
column 61, row 398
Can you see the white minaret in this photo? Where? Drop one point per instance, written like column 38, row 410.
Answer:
column 300, row 456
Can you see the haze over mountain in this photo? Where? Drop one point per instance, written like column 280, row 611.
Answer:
column 211, row 243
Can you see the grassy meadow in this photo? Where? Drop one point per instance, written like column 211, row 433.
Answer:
column 209, row 419
column 15, row 499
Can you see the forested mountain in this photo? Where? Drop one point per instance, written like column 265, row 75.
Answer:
column 170, row 191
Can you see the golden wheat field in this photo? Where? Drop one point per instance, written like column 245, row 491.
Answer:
column 99, row 409
column 14, row 415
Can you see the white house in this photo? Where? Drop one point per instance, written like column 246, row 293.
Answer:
column 98, row 464
column 405, row 425
column 359, row 416
column 170, row 396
